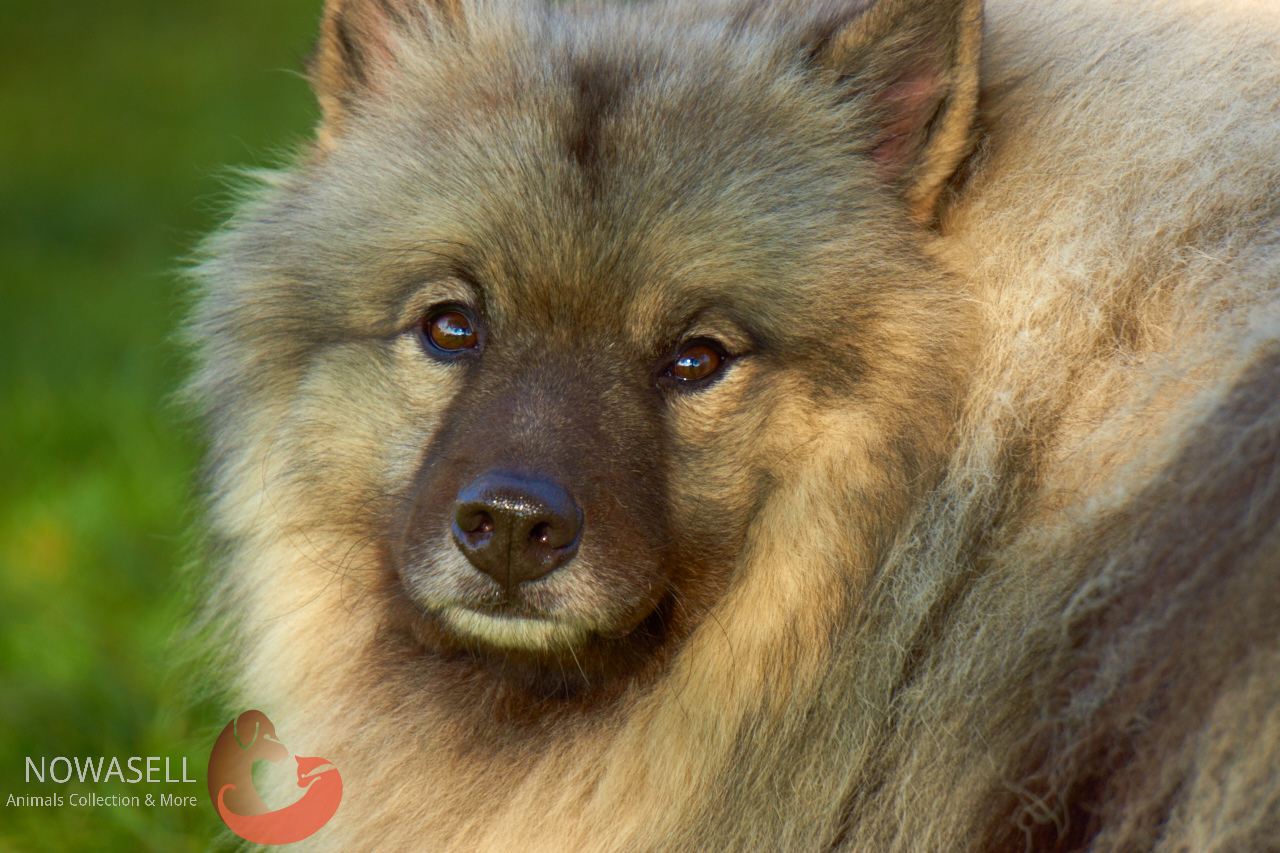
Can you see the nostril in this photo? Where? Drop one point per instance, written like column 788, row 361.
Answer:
column 541, row 533
column 559, row 531
column 479, row 523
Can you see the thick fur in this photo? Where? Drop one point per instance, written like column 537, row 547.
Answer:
column 975, row 547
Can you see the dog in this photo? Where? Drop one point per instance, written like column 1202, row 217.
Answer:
column 763, row 425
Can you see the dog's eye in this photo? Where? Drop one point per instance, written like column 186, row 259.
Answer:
column 695, row 364
column 450, row 330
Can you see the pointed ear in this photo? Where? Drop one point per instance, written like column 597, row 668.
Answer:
column 360, row 42
column 917, row 62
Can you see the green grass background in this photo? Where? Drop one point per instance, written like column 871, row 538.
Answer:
column 119, row 123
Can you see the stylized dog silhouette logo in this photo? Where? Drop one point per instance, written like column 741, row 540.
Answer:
column 245, row 739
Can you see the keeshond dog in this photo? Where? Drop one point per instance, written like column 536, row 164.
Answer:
column 763, row 425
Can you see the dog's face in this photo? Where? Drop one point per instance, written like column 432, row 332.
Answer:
column 605, row 317
column 565, row 303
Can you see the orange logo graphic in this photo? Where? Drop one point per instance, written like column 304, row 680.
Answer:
column 245, row 739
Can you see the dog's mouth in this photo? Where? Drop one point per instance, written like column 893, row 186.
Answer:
column 538, row 653
column 558, row 616
column 514, row 623
column 505, row 627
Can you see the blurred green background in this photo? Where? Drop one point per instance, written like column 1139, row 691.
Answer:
column 119, row 125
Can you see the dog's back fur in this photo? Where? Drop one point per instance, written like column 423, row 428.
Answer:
column 1059, row 628
column 1084, row 621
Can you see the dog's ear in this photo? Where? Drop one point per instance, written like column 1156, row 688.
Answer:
column 359, row 49
column 916, row 63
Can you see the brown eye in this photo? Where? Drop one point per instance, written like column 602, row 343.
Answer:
column 695, row 363
column 451, row 331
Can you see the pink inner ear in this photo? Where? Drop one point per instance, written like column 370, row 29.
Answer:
column 908, row 104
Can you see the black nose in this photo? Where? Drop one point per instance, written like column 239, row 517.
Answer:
column 516, row 529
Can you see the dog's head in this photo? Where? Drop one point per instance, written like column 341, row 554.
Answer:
column 570, row 311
